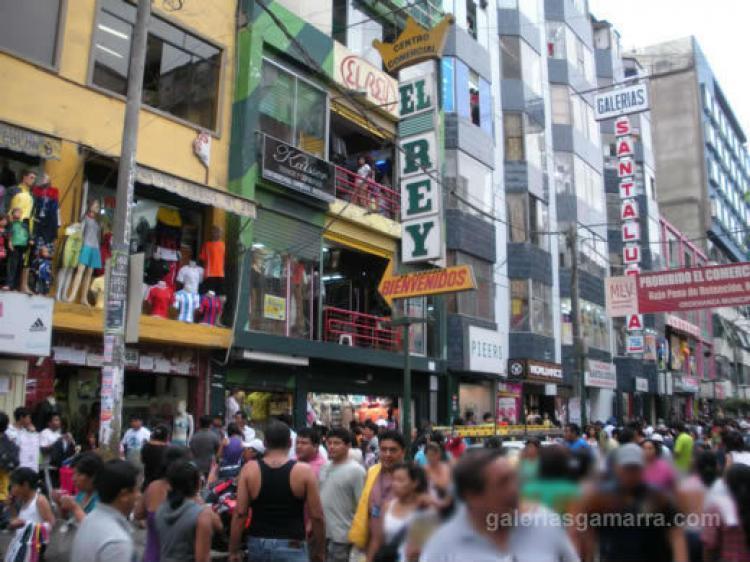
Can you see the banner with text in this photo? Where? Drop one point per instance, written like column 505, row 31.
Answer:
column 713, row 286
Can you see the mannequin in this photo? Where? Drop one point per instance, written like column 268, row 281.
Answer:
column 90, row 257
column 212, row 256
column 210, row 309
column 69, row 260
column 182, row 430
column 45, row 214
column 186, row 304
column 191, row 276
column 21, row 198
column 96, row 290
column 159, row 297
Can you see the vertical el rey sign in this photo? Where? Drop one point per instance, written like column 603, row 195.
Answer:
column 421, row 232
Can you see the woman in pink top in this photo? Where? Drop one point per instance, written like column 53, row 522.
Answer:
column 659, row 472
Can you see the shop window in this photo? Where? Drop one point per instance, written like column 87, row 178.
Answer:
column 293, row 110
column 531, row 307
column 474, row 97
column 519, row 305
column 564, row 173
column 513, row 137
column 528, row 220
column 30, row 29
column 517, row 217
column 541, row 308
column 473, row 182
column 340, row 21
column 479, row 303
column 181, row 76
column 448, row 86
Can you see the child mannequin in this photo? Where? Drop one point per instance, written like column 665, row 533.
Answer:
column 19, row 242
column 90, row 257
column 182, row 430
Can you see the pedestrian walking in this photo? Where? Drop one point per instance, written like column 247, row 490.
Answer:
column 307, row 449
column 104, row 535
column 205, row 445
column 279, row 491
column 31, row 517
column 485, row 527
column 377, row 490
column 341, row 484
column 185, row 525
column 152, row 454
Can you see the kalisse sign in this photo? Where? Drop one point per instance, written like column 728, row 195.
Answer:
column 713, row 286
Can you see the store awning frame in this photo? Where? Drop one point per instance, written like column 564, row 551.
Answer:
column 203, row 194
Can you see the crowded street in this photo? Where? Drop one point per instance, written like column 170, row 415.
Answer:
column 374, row 281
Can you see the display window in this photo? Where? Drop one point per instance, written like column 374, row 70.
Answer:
column 538, row 408
column 340, row 410
column 261, row 406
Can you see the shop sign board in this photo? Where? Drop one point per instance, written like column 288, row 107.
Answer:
column 641, row 384
column 634, row 344
column 485, row 353
column 414, row 44
column 601, row 375
column 686, row 384
column 357, row 75
column 621, row 295
column 423, row 283
column 28, row 142
column 25, row 324
column 297, row 170
column 421, row 224
column 170, row 361
column 535, row 370
column 622, row 101
column 713, row 286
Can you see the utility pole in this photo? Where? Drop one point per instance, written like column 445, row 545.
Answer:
column 116, row 303
column 575, row 317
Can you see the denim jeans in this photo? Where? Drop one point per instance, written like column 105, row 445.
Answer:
column 276, row 550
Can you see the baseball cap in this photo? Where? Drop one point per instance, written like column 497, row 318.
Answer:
column 256, row 444
column 381, row 423
column 629, row 455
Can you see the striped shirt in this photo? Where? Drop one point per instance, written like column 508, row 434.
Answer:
column 186, row 303
column 211, row 309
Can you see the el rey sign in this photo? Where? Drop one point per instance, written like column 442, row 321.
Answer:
column 421, row 229
column 356, row 74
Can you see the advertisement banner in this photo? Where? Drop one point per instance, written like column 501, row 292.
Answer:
column 357, row 75
column 621, row 296
column 25, row 324
column 622, row 101
column 485, row 351
column 713, row 286
column 601, row 375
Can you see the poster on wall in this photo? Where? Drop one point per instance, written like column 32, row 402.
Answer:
column 274, row 308
column 507, row 410
column 25, row 324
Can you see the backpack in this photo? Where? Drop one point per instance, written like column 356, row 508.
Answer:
column 9, row 454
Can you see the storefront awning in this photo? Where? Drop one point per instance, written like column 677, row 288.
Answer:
column 195, row 192
column 29, row 142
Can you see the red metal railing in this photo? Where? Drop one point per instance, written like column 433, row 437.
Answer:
column 366, row 193
column 359, row 330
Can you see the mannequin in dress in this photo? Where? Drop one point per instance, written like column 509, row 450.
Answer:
column 182, row 430
column 90, row 257
column 71, row 251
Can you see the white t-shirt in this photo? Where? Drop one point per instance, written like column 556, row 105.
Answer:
column 47, row 438
column 364, row 171
column 133, row 441
column 190, row 276
column 248, row 434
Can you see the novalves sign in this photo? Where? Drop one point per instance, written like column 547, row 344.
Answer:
column 421, row 228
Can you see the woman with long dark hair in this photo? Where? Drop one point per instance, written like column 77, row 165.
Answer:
column 184, row 525
column 727, row 535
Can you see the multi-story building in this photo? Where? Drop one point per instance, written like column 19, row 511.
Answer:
column 532, row 253
column 702, row 173
column 313, row 337
column 64, row 68
column 579, row 190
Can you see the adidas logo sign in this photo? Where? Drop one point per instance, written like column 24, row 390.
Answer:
column 38, row 326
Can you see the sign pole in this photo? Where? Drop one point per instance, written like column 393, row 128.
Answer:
column 575, row 318
column 407, row 387
column 116, row 304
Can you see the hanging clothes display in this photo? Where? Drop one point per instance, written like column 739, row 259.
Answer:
column 45, row 215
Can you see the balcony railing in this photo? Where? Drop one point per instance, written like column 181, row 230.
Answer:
column 359, row 330
column 375, row 197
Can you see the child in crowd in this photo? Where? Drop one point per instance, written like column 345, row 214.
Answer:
column 19, row 240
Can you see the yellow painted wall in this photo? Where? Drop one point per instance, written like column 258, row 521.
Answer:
column 61, row 104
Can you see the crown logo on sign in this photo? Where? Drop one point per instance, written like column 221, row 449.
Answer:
column 415, row 44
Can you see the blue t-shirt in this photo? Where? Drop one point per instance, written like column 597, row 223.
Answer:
column 580, row 443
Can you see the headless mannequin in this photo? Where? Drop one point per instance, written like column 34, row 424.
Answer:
column 85, row 270
column 182, row 430
column 65, row 273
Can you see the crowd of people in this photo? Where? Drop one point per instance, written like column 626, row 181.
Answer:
column 605, row 492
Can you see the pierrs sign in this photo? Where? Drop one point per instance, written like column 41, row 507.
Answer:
column 421, row 228
column 622, row 101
